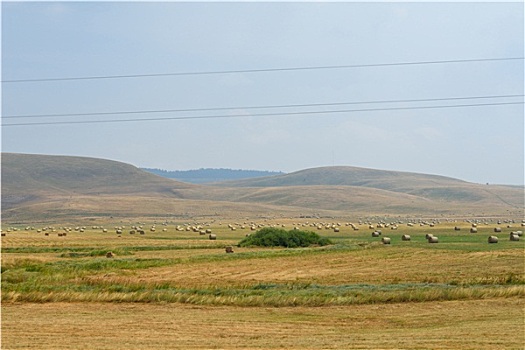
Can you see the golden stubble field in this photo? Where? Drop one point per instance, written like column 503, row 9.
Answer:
column 172, row 289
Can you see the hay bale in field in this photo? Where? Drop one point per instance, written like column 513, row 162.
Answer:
column 3, row 234
column 202, row 232
column 433, row 239
column 429, row 235
column 405, row 237
column 385, row 240
column 132, row 232
column 474, row 225
column 212, row 237
column 110, row 255
column 141, row 232
column 518, row 233
column 46, row 234
column 376, row 234
column 493, row 239
column 336, row 229
column 208, row 231
column 457, row 228
column 229, row 249
column 473, row 230
column 497, row 229
column 514, row 237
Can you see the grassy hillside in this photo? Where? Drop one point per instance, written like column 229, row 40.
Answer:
column 38, row 173
column 38, row 178
column 431, row 187
column 39, row 187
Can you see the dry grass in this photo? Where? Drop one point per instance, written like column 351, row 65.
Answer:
column 475, row 324
column 170, row 290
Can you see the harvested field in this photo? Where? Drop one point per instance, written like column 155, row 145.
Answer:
column 473, row 324
column 178, row 289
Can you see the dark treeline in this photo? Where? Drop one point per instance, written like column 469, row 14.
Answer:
column 210, row 175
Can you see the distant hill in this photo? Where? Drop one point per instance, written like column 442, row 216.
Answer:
column 28, row 178
column 208, row 175
column 431, row 187
column 42, row 187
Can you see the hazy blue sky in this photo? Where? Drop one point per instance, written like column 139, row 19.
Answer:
column 71, row 39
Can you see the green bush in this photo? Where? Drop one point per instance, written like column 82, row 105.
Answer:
column 275, row 237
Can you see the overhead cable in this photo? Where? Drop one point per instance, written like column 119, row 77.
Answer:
column 254, row 107
column 259, row 114
column 32, row 80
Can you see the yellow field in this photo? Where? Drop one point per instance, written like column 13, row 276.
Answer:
column 179, row 289
column 478, row 324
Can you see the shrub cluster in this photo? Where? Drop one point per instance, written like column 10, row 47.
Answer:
column 275, row 237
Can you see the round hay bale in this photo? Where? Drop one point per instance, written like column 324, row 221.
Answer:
column 433, row 239
column 493, row 239
column 3, row 234
column 208, row 231
column 110, row 255
column 202, row 232
column 518, row 233
column 376, row 234
column 385, row 240
column 514, row 237
column 429, row 235
column 212, row 237
column 229, row 249
column 405, row 237
column 473, row 230
column 497, row 229
column 336, row 229
column 457, row 228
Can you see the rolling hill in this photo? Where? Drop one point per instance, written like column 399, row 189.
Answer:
column 432, row 187
column 41, row 186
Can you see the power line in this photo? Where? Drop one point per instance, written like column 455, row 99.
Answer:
column 256, row 107
column 259, row 115
column 260, row 70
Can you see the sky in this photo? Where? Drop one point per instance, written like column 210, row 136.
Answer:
column 482, row 144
